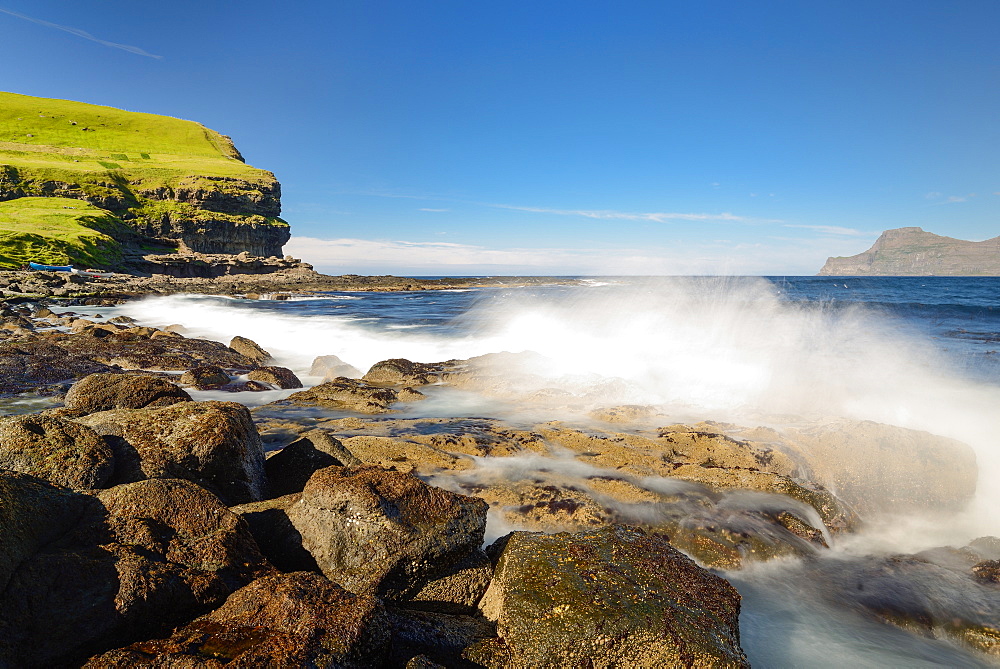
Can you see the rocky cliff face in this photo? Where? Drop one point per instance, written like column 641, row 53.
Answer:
column 915, row 252
column 196, row 213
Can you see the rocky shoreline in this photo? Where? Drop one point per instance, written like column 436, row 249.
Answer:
column 227, row 275
column 331, row 528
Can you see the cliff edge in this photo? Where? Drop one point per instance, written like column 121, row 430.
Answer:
column 178, row 186
column 915, row 252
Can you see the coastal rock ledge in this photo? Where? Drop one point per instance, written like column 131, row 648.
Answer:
column 915, row 252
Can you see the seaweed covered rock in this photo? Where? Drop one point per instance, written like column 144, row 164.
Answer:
column 617, row 596
column 101, row 392
column 87, row 573
column 55, row 449
column 383, row 532
column 279, row 377
column 286, row 620
column 213, row 444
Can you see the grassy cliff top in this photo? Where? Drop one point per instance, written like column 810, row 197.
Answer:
column 57, row 231
column 43, row 135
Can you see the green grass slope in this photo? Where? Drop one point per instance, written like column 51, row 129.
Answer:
column 167, row 178
column 61, row 135
column 57, row 231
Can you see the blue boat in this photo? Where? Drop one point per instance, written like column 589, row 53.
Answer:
column 50, row 268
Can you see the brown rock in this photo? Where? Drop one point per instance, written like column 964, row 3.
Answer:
column 249, row 349
column 101, row 392
column 213, row 444
column 343, row 394
column 289, row 469
column 280, row 377
column 205, row 377
column 613, row 597
column 384, row 532
column 55, row 449
column 286, row 620
column 124, row 565
column 401, row 372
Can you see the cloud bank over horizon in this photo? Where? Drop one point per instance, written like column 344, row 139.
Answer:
column 369, row 256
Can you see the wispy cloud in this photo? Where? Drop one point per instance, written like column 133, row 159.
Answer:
column 433, row 210
column 602, row 214
column 656, row 217
column 831, row 230
column 367, row 256
column 950, row 199
column 84, row 34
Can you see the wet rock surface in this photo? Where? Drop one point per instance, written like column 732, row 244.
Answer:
column 374, row 502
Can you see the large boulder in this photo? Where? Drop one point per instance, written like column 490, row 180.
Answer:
column 101, row 392
column 287, row 620
column 88, row 573
column 56, row 449
column 384, row 532
column 613, row 597
column 213, row 444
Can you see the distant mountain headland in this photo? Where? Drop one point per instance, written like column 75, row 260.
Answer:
column 81, row 183
column 915, row 252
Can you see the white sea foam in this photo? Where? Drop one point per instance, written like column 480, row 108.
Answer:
column 723, row 349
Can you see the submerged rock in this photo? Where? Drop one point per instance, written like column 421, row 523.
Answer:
column 613, row 597
column 879, row 468
column 286, row 620
column 383, row 532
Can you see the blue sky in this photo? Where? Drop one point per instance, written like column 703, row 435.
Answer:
column 563, row 137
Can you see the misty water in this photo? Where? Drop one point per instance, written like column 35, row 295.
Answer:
column 918, row 353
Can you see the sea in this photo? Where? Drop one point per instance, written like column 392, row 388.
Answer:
column 916, row 352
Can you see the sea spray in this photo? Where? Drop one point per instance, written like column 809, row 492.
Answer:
column 732, row 349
